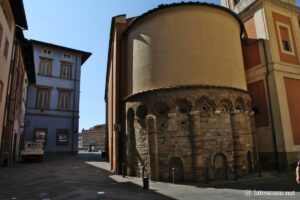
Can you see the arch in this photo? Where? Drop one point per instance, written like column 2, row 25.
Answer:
column 142, row 112
column 204, row 104
column 176, row 163
column 130, row 114
column 160, row 109
column 248, row 105
column 249, row 163
column 239, row 104
column 182, row 106
column 220, row 167
column 225, row 106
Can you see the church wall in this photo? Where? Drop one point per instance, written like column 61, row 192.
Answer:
column 193, row 53
column 203, row 131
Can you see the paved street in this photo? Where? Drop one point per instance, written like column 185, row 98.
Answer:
column 87, row 177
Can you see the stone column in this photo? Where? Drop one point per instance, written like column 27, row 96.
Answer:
column 153, row 146
column 197, row 146
column 172, row 122
column 237, row 121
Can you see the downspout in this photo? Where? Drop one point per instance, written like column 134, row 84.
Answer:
column 270, row 106
column 73, row 112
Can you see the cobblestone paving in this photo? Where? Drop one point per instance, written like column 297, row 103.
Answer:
column 87, row 177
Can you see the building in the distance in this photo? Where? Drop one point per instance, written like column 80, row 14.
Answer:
column 53, row 102
column 93, row 138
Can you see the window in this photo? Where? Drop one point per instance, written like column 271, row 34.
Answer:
column 6, row 48
column 285, row 39
column 1, row 91
column 66, row 70
column 64, row 99
column 45, row 67
column 62, row 136
column 40, row 134
column 67, row 56
column 47, row 52
column 1, row 33
column 43, row 98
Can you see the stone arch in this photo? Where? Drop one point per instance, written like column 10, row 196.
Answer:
column 249, row 162
column 239, row 104
column 130, row 113
column 131, row 144
column 161, row 110
column 220, row 167
column 248, row 106
column 182, row 106
column 204, row 104
column 177, row 164
column 141, row 111
column 225, row 106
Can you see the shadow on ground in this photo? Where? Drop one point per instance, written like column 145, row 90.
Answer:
column 67, row 177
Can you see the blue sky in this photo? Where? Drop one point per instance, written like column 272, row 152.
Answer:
column 85, row 25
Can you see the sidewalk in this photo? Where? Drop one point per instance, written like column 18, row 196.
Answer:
column 220, row 190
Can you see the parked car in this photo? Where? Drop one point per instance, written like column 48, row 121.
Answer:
column 32, row 151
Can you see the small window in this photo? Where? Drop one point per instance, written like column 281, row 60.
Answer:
column 64, row 100
column 45, row 67
column 62, row 136
column 67, row 56
column 47, row 52
column 66, row 70
column 40, row 135
column 1, row 91
column 1, row 33
column 6, row 48
column 285, row 38
column 43, row 98
column 286, row 45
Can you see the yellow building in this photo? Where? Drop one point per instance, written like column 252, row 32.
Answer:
column 11, row 14
column 272, row 55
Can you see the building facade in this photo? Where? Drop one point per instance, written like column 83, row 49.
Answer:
column 94, row 137
column 15, row 71
column 272, row 68
column 177, row 102
column 53, row 102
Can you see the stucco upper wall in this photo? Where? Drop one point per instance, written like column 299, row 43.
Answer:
column 185, row 45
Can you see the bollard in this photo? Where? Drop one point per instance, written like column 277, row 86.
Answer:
column 123, row 170
column 206, row 175
column 173, row 175
column 145, row 183
column 259, row 169
column 143, row 171
column 235, row 172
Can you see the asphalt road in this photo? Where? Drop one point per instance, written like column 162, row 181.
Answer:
column 86, row 176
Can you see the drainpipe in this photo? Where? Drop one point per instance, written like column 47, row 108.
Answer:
column 270, row 106
column 73, row 112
